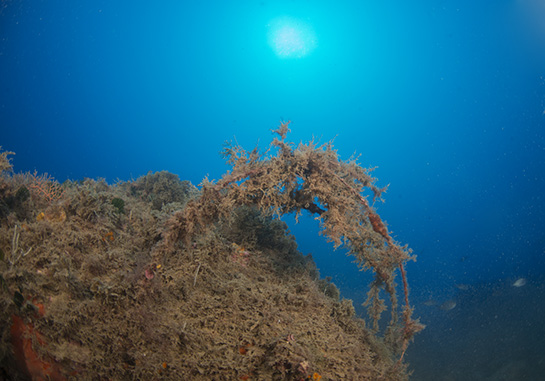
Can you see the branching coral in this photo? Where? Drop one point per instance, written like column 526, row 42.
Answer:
column 288, row 179
column 44, row 187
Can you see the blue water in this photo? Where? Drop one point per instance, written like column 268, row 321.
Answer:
column 446, row 98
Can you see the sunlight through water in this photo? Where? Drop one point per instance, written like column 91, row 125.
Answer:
column 290, row 37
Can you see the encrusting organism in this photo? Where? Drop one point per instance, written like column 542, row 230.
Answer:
column 288, row 179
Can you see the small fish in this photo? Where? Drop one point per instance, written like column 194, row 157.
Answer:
column 462, row 287
column 448, row 305
column 519, row 282
column 430, row 302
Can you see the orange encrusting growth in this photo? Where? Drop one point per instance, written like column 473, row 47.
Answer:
column 108, row 237
column 27, row 360
column 378, row 225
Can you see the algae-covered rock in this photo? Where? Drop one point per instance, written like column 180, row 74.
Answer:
column 110, row 311
column 162, row 188
column 103, row 289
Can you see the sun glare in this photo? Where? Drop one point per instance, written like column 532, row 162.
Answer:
column 291, row 38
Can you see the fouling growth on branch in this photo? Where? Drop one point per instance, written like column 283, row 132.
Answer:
column 288, row 178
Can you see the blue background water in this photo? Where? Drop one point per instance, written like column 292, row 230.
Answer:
column 447, row 98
